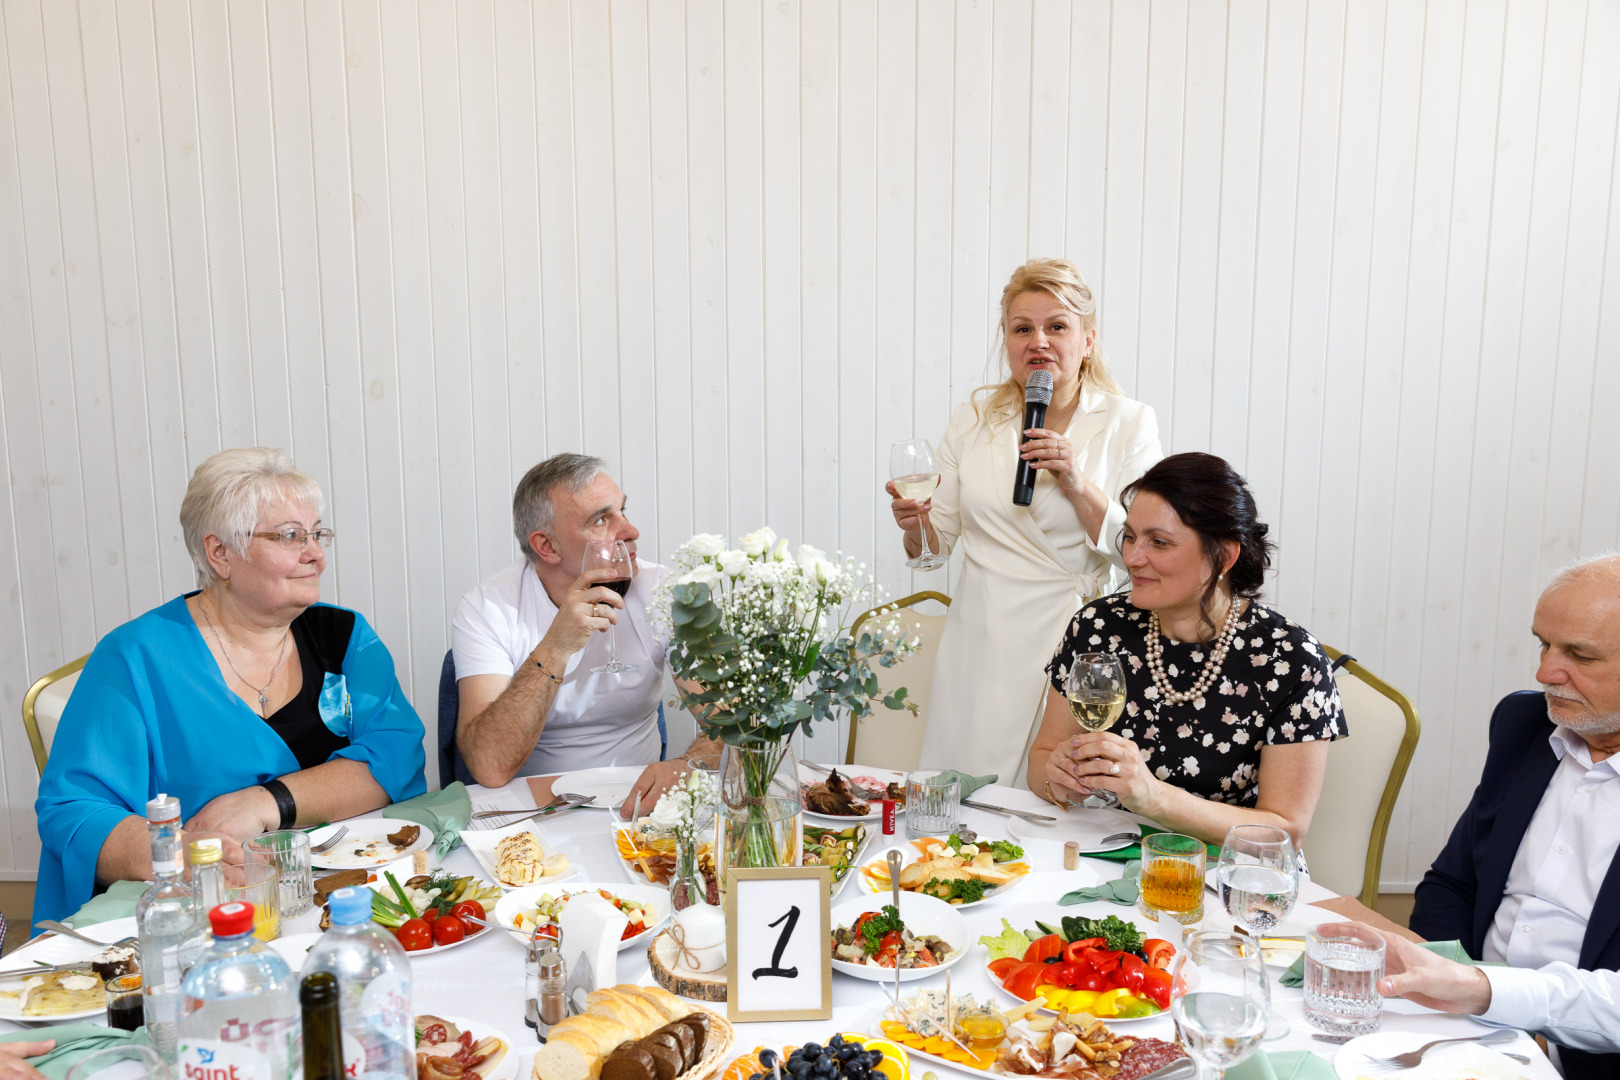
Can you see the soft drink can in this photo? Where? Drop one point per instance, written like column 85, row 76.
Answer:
column 888, row 817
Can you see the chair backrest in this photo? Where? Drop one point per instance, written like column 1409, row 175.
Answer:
column 450, row 764
column 887, row 739
column 43, row 704
column 1345, row 847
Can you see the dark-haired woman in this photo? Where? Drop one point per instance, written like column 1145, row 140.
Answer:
column 1229, row 705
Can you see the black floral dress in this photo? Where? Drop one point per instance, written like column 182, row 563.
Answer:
column 1275, row 686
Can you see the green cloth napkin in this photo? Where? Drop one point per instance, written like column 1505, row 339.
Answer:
column 967, row 785
column 1122, row 890
column 118, row 902
column 73, row 1041
column 445, row 812
column 1125, row 854
column 1282, row 1065
column 1451, row 950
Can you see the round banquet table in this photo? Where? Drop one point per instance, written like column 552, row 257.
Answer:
column 484, row 978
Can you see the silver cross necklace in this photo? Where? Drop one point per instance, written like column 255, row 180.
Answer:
column 264, row 697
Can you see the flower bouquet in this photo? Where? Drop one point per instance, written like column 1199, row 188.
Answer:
column 761, row 647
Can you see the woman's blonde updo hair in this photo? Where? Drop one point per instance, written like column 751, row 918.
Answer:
column 1063, row 280
column 227, row 493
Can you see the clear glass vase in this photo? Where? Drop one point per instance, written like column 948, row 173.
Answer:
column 686, row 886
column 757, row 820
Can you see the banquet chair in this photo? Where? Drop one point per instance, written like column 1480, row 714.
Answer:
column 887, row 739
column 43, row 704
column 1345, row 847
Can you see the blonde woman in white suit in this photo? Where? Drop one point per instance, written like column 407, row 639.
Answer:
column 1026, row 569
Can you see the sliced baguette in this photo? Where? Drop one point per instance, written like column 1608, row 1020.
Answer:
column 567, row 1055
column 667, row 1004
column 605, row 1032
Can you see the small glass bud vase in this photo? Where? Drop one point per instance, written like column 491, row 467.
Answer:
column 686, row 884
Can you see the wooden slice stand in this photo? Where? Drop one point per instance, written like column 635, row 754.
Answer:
column 701, row 986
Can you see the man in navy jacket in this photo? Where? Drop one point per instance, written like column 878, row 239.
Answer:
column 1530, row 874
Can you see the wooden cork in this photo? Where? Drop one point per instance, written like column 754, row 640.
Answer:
column 419, row 862
column 1071, row 855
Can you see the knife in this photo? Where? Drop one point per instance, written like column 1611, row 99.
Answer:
column 1174, row 1071
column 23, row 973
column 1004, row 812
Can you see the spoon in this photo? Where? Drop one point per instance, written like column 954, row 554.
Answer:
column 894, row 886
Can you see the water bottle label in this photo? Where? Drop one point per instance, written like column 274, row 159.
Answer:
column 168, row 866
column 211, row 1059
column 354, row 1056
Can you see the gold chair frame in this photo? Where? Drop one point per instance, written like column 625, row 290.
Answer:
column 855, row 630
column 30, row 721
column 1397, row 775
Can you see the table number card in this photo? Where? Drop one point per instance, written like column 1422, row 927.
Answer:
column 778, row 944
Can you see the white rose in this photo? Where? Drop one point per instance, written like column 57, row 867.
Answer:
column 808, row 554
column 780, row 554
column 667, row 814
column 758, row 542
column 702, row 575
column 732, row 563
column 706, row 545
column 821, row 571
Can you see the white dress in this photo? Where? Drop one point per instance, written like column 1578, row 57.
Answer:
column 1026, row 570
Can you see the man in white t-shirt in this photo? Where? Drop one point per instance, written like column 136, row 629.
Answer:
column 526, row 639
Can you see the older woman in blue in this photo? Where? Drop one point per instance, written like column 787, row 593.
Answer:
column 255, row 705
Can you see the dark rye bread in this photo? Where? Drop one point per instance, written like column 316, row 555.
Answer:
column 630, row 1062
column 686, row 1041
column 699, row 1023
column 666, row 1052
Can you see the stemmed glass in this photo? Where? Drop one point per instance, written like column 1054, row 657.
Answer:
column 915, row 476
column 610, row 555
column 1258, row 877
column 1220, row 1016
column 1095, row 687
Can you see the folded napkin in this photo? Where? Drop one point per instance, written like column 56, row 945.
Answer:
column 1282, row 1065
column 967, row 785
column 118, row 902
column 1122, row 890
column 73, row 1041
column 445, row 812
column 1451, row 950
column 1125, row 854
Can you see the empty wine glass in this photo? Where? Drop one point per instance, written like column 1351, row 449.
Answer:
column 614, row 555
column 1220, row 1016
column 915, row 476
column 1095, row 687
column 1258, row 878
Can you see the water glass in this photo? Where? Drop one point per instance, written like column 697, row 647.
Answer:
column 1173, row 877
column 288, row 852
column 1258, row 876
column 258, row 884
column 933, row 803
column 1343, row 964
column 128, row 1062
column 1220, row 1012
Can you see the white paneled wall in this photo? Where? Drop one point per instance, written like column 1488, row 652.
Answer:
column 1366, row 249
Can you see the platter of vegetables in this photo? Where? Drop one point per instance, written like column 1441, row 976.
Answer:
column 1103, row 967
column 426, row 912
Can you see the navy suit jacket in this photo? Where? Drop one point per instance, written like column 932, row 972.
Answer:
column 1458, row 897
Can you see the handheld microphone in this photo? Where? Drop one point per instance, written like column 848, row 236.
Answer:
column 1037, row 396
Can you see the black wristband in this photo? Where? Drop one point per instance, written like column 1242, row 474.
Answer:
column 284, row 802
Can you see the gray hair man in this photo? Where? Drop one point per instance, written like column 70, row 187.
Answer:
column 526, row 642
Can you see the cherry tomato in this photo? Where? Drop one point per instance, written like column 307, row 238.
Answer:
column 473, row 908
column 1050, row 945
column 1064, row 974
column 415, row 935
column 430, row 915
column 1156, row 986
column 1093, row 981
column 1159, row 952
column 999, row 968
column 449, row 930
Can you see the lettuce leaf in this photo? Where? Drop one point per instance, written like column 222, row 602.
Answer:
column 1009, row 942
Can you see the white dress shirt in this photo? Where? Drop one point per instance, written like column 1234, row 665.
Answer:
column 1569, row 1006
column 594, row 719
column 1561, row 862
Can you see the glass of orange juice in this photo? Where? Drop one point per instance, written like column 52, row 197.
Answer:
column 1172, row 877
column 258, row 884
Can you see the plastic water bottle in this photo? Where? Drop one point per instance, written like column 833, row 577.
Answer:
column 166, row 921
column 241, row 1019
column 374, row 988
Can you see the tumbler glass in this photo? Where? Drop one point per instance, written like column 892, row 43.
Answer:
column 933, row 803
column 288, row 852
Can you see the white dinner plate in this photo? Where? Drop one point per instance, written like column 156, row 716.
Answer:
column 381, row 885
column 921, row 915
column 1085, row 825
column 910, row 855
column 366, row 844
column 58, row 949
column 611, row 785
column 1442, row 1063
column 525, row 899
column 508, row 1067
column 482, row 844
column 808, row 776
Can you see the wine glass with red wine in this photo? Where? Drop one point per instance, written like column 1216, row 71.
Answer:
column 603, row 555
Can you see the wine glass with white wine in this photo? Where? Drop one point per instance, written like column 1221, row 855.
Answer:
column 916, row 475
column 1095, row 687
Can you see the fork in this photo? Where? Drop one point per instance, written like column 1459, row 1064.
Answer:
column 63, row 928
column 1412, row 1058
column 331, row 841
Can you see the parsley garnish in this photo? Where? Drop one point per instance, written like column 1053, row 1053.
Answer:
column 1117, row 933
column 878, row 926
column 967, row 890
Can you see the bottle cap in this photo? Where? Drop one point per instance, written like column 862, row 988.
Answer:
column 163, row 809
column 317, row 989
column 350, row 906
column 208, row 850
column 231, row 920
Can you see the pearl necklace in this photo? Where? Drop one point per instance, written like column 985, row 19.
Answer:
column 1212, row 666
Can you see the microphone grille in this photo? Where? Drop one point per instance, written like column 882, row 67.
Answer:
column 1038, row 390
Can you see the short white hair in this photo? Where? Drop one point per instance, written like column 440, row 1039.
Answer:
column 1599, row 570
column 227, row 494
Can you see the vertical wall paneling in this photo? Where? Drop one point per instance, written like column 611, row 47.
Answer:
column 1368, row 251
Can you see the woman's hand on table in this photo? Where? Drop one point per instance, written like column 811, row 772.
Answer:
column 14, row 1059
column 1103, row 761
column 237, row 815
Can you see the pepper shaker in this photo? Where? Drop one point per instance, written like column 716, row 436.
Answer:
column 544, row 979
